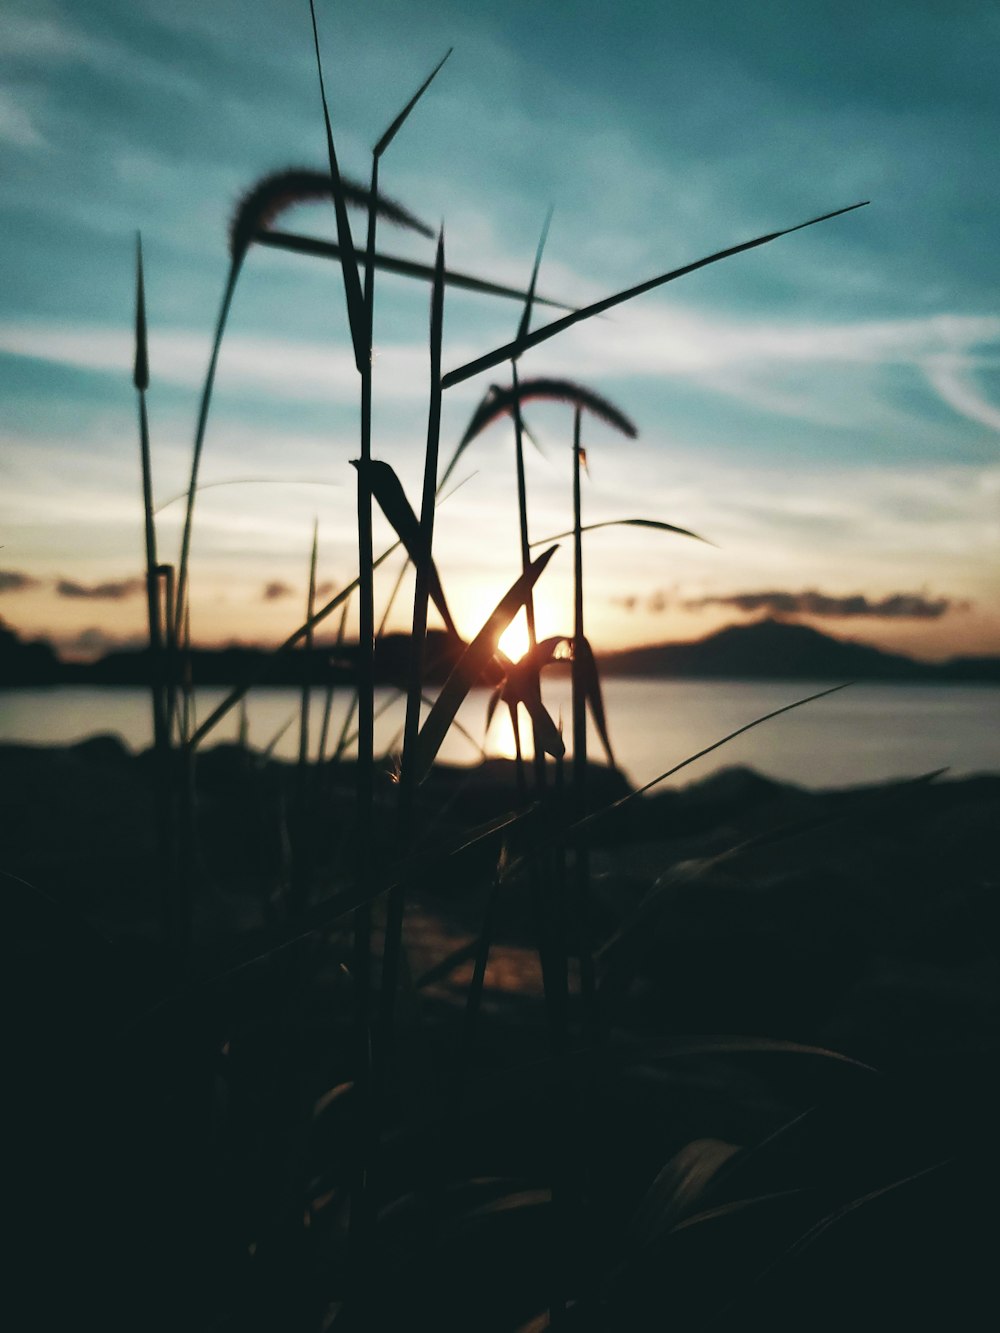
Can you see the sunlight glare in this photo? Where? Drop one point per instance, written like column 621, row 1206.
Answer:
column 514, row 639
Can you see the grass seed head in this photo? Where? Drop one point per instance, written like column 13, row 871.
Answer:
column 280, row 190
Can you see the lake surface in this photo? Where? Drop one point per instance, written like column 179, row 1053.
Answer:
column 866, row 733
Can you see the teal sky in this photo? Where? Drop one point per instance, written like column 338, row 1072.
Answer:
column 825, row 409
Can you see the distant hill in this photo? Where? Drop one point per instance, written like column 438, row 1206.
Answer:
column 775, row 650
column 765, row 650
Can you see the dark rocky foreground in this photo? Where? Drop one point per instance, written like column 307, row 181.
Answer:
column 188, row 1161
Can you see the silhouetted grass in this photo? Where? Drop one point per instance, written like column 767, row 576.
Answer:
column 442, row 1166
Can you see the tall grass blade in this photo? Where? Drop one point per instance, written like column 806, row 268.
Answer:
column 140, row 369
column 180, row 594
column 470, row 666
column 529, row 301
column 407, row 268
column 514, row 349
column 581, row 854
column 348, row 258
column 425, row 579
column 398, row 123
column 165, row 832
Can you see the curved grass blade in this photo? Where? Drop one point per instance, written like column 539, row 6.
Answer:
column 246, row 481
column 499, row 402
column 816, row 1231
column 470, row 666
column 592, row 691
column 653, row 523
column 546, row 734
column 693, row 758
column 388, row 491
column 523, row 685
column 678, row 1185
column 511, row 350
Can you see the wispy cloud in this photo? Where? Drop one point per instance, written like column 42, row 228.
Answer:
column 723, row 355
column 15, row 580
column 950, row 375
column 827, row 606
column 115, row 590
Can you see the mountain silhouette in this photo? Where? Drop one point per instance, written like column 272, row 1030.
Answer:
column 764, row 650
column 776, row 650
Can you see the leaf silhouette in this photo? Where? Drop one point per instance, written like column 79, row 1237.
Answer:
column 512, row 350
column 499, row 402
column 654, row 523
column 388, row 492
column 529, row 299
column 348, row 257
column 408, row 268
column 400, row 120
column 471, row 664
column 592, row 691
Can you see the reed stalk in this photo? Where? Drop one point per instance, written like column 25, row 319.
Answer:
column 581, row 855
column 423, row 566
column 301, row 860
column 155, row 646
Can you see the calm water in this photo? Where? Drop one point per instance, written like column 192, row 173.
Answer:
column 866, row 733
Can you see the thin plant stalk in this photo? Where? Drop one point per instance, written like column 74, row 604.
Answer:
column 418, row 636
column 328, row 701
column 299, row 882
column 180, row 599
column 153, row 613
column 170, row 655
column 581, row 855
column 141, row 381
column 359, row 309
column 307, row 650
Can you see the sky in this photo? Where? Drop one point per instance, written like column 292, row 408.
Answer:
column 825, row 409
